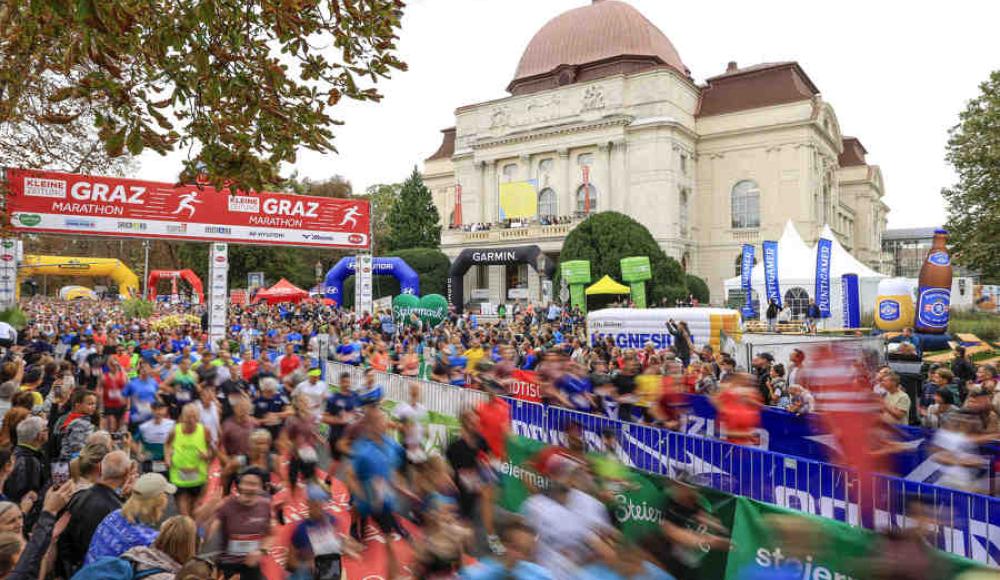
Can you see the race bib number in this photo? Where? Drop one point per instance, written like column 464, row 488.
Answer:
column 470, row 480
column 158, row 467
column 190, row 475
column 183, row 396
column 243, row 544
column 323, row 541
column 143, row 408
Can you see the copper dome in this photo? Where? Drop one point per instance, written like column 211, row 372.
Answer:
column 604, row 32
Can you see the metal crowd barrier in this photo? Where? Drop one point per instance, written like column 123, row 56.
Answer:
column 968, row 524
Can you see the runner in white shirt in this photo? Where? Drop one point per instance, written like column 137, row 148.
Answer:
column 412, row 416
column 315, row 390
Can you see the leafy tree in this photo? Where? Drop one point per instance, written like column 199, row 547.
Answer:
column 431, row 265
column 607, row 237
column 242, row 85
column 298, row 265
column 336, row 186
column 413, row 219
column 698, row 288
column 29, row 138
column 382, row 197
column 974, row 202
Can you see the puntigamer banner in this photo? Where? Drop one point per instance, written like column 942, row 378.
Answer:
column 63, row 203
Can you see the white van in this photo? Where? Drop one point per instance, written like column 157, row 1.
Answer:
column 634, row 327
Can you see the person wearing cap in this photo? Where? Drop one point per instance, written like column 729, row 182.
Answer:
column 135, row 523
column 316, row 544
column 315, row 391
column 88, row 508
column 244, row 524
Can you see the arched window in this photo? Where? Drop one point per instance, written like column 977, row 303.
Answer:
column 581, row 194
column 745, row 205
column 685, row 260
column 547, row 202
column 797, row 301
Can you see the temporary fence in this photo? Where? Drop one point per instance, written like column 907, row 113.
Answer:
column 968, row 524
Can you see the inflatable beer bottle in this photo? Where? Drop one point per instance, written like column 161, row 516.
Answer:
column 934, row 287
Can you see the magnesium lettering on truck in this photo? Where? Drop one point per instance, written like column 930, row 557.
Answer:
column 632, row 327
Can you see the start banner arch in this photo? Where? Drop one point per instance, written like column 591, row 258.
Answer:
column 409, row 280
column 187, row 275
column 531, row 255
column 128, row 282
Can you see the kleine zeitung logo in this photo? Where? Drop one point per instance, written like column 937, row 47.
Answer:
column 42, row 187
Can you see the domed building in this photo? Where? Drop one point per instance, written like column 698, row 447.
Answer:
column 604, row 115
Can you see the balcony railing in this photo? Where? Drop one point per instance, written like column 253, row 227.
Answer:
column 502, row 234
column 746, row 236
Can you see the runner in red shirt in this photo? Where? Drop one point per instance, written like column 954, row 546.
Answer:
column 111, row 384
column 494, row 426
column 290, row 362
column 738, row 408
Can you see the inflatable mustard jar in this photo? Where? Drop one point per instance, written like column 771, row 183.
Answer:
column 894, row 304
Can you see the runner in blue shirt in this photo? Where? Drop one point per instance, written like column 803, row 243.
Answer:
column 141, row 392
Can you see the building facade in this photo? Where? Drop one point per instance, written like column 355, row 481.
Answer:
column 603, row 115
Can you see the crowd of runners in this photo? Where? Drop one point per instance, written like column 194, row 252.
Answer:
column 133, row 446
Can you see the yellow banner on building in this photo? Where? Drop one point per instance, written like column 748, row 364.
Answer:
column 518, row 199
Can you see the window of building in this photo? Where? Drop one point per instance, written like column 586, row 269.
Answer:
column 585, row 159
column 547, row 202
column 517, row 276
column 825, row 201
column 682, row 210
column 684, row 164
column 685, row 260
column 581, row 195
column 509, row 172
column 797, row 301
column 482, row 277
column 745, row 205
column 546, row 166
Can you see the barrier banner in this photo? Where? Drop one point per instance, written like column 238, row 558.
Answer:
column 771, row 284
column 851, row 300
column 64, row 203
column 525, row 386
column 746, row 277
column 824, row 250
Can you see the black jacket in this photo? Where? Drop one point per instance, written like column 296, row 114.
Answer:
column 87, row 508
column 31, row 473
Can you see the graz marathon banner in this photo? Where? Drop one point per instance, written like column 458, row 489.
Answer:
column 63, row 203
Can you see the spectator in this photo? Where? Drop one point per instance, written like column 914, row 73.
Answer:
column 31, row 472
column 760, row 367
column 778, row 387
column 938, row 413
column 133, row 524
column 87, row 509
column 795, row 374
column 801, row 401
column 175, row 545
column 72, row 429
column 895, row 403
column 963, row 369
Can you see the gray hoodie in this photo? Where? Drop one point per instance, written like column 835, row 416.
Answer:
column 148, row 558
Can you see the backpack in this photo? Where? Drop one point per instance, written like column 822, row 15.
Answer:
column 112, row 568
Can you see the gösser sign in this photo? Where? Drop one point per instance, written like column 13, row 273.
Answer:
column 63, row 203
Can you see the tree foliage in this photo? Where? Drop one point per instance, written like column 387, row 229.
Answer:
column 974, row 202
column 430, row 264
column 241, row 85
column 336, row 186
column 698, row 287
column 413, row 220
column 382, row 197
column 298, row 265
column 26, row 140
column 605, row 238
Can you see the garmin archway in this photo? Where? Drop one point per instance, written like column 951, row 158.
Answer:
column 531, row 255
column 409, row 280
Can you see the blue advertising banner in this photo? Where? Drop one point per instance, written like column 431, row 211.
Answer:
column 773, row 291
column 746, row 272
column 851, row 297
column 824, row 250
column 969, row 523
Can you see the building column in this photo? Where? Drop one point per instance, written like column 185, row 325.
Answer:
column 497, row 279
column 564, row 183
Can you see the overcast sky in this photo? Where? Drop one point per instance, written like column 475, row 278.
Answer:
column 896, row 74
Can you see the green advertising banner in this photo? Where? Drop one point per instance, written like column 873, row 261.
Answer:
column 575, row 271
column 438, row 429
column 636, row 269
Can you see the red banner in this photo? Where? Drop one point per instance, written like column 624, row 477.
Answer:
column 63, row 203
column 525, row 386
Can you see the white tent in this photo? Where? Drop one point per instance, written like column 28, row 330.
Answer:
column 797, row 274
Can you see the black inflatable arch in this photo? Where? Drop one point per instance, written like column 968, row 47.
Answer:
column 531, row 255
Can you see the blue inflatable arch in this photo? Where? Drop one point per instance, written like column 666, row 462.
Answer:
column 409, row 281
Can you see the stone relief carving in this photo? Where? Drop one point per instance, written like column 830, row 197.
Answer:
column 500, row 117
column 593, row 98
column 543, row 109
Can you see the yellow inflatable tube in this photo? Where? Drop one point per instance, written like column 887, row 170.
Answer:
column 128, row 282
